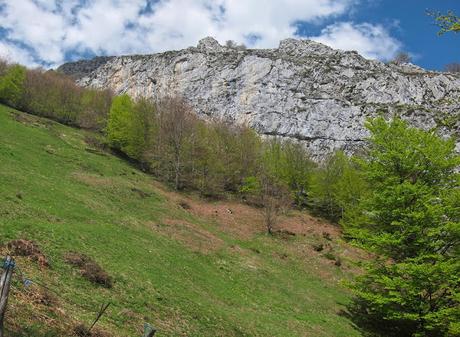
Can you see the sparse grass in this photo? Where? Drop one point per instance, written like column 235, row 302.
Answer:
column 65, row 198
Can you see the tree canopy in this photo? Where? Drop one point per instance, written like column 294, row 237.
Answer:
column 447, row 22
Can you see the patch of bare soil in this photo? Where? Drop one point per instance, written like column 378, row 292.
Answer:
column 245, row 221
column 89, row 269
column 302, row 223
column 31, row 120
column 238, row 219
column 27, row 248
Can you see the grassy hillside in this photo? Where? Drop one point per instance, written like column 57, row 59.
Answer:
column 203, row 269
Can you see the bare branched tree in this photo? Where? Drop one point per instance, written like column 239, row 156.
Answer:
column 402, row 58
column 452, row 68
column 232, row 44
column 175, row 120
column 275, row 199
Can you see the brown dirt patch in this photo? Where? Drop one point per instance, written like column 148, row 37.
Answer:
column 28, row 249
column 235, row 218
column 89, row 269
column 302, row 223
column 244, row 221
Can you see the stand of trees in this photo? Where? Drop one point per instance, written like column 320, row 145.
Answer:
column 53, row 95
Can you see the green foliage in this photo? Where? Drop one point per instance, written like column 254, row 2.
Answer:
column 12, row 85
column 290, row 164
column 337, row 187
column 125, row 127
column 251, row 185
column 411, row 219
column 53, row 95
column 446, row 22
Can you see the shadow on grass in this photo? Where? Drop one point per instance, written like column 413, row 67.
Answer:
column 372, row 324
column 31, row 332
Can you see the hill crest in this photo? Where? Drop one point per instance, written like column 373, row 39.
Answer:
column 301, row 90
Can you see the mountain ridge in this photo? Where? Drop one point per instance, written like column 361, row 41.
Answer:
column 302, row 90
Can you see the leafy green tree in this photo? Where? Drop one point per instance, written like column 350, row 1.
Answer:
column 3, row 67
column 12, row 85
column 290, row 164
column 349, row 189
column 447, row 22
column 298, row 168
column 125, row 128
column 411, row 220
column 323, row 187
column 206, row 161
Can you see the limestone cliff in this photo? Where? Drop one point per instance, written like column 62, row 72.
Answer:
column 302, row 90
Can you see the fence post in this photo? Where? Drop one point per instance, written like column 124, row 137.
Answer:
column 5, row 283
column 149, row 331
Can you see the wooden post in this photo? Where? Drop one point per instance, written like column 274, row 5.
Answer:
column 5, row 283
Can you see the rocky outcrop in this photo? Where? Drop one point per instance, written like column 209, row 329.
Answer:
column 302, row 90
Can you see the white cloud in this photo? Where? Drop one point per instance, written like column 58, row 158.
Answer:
column 53, row 29
column 371, row 41
column 14, row 54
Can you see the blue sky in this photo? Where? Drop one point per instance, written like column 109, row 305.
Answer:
column 416, row 30
column 49, row 32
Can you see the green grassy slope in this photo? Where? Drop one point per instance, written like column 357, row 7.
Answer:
column 54, row 191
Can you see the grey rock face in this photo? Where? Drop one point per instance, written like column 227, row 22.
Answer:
column 302, row 90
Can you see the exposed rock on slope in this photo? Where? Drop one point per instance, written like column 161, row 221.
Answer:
column 302, row 90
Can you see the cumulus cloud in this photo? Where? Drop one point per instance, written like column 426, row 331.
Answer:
column 15, row 54
column 371, row 41
column 49, row 32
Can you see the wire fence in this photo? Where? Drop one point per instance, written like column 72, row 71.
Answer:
column 27, row 282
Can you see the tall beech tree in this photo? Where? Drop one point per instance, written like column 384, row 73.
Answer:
column 411, row 220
